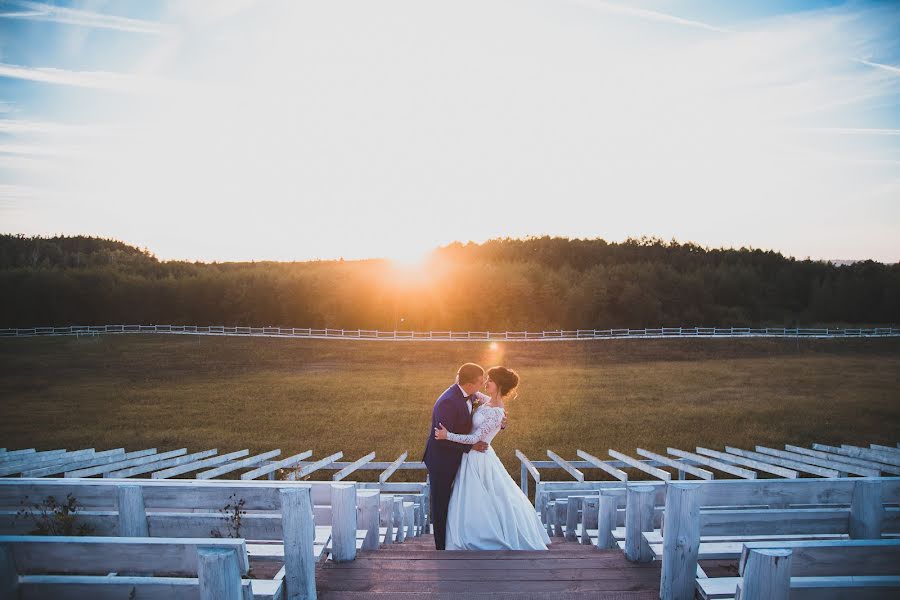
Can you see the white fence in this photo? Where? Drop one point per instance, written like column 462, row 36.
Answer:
column 459, row 336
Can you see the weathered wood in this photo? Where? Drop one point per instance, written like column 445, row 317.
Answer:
column 596, row 462
column 399, row 520
column 771, row 521
column 842, row 468
column 409, row 517
column 680, row 465
column 219, row 574
column 590, row 512
column 132, row 516
column 369, row 507
column 387, row 517
column 840, row 458
column 562, row 511
column 885, row 448
column 658, row 473
column 790, row 464
column 272, row 467
column 747, row 462
column 564, row 464
column 550, row 508
column 109, row 467
column 607, row 519
column 530, row 467
column 866, row 510
column 766, row 576
column 715, row 464
column 299, row 534
column 241, row 464
column 197, row 465
column 33, row 461
column 98, row 458
column 856, row 452
column 343, row 473
column 681, row 542
column 319, row 464
column 572, row 510
column 9, row 578
column 343, row 507
column 835, row 557
column 157, row 465
column 391, row 469
column 638, row 519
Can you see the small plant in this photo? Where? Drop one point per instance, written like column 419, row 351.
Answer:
column 233, row 512
column 53, row 518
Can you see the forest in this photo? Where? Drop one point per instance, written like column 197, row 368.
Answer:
column 539, row 283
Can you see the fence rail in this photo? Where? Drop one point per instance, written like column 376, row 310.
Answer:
column 504, row 336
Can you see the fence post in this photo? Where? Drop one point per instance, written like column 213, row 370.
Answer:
column 343, row 522
column 638, row 519
column 866, row 510
column 607, row 519
column 369, row 505
column 387, row 517
column 299, row 533
column 9, row 578
column 574, row 505
column 409, row 516
column 219, row 574
column 562, row 511
column 680, row 542
column 397, row 515
column 550, row 507
column 590, row 508
column 766, row 576
column 132, row 515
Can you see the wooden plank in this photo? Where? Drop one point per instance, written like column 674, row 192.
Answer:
column 528, row 465
column 837, row 557
column 774, row 521
column 617, row 473
column 715, row 464
column 753, row 464
column 115, row 466
column 658, row 473
column 790, row 464
column 840, row 458
column 113, row 456
column 343, row 473
column 855, row 452
column 681, row 466
column 24, row 464
column 885, row 448
column 100, row 555
column 103, row 587
column 841, row 468
column 564, row 464
column 197, row 465
column 154, row 466
column 241, row 464
column 319, row 464
column 218, row 570
column 281, row 464
column 394, row 466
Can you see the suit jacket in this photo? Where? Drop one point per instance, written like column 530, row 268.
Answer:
column 451, row 410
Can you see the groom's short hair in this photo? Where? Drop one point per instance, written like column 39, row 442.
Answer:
column 469, row 373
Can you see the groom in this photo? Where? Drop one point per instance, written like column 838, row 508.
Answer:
column 442, row 457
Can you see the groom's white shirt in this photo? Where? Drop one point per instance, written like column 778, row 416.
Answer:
column 483, row 397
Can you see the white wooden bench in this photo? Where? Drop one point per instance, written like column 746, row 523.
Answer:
column 38, row 567
column 815, row 569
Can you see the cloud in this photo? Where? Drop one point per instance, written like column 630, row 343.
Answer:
column 650, row 15
column 888, row 68
column 39, row 11
column 100, row 80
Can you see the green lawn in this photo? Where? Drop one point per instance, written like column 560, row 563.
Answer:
column 330, row 395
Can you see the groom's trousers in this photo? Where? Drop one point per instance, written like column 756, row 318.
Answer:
column 441, row 485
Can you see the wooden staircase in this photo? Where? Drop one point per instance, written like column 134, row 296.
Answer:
column 414, row 570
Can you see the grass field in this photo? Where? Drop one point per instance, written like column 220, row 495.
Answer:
column 330, row 395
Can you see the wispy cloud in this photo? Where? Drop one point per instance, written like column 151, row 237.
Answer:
column 39, row 11
column 888, row 68
column 651, row 15
column 100, row 80
column 851, row 131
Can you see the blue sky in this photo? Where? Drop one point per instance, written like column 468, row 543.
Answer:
column 241, row 129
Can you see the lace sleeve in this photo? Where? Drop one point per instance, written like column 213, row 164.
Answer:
column 490, row 424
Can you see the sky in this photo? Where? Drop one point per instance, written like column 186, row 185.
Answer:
column 289, row 130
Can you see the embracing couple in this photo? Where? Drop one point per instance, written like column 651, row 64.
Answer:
column 475, row 504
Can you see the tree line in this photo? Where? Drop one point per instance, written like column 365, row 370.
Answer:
column 501, row 285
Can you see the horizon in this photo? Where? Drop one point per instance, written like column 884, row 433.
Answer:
column 242, row 131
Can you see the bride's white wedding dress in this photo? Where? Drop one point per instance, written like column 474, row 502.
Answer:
column 487, row 510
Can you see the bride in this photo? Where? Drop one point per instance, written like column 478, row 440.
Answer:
column 487, row 510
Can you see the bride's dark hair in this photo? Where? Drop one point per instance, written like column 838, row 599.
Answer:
column 506, row 379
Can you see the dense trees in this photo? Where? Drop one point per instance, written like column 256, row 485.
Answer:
column 504, row 284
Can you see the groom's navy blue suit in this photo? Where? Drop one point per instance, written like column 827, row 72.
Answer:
column 442, row 457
